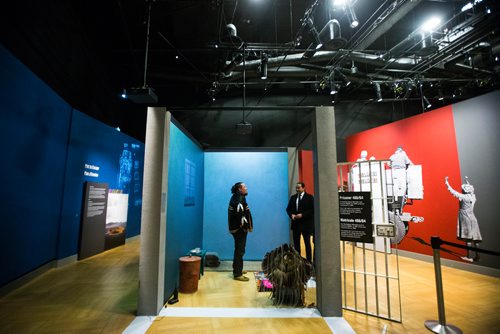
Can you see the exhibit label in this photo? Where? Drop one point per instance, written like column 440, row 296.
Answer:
column 93, row 219
column 91, row 170
column 355, row 217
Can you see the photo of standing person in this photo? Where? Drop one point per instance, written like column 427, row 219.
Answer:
column 468, row 227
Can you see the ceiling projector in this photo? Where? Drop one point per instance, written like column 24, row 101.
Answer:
column 243, row 128
column 141, row 95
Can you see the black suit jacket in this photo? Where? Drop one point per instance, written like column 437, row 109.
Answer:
column 306, row 208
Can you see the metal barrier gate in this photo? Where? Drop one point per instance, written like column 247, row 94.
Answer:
column 370, row 282
column 370, row 271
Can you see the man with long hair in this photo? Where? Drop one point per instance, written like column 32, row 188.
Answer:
column 240, row 223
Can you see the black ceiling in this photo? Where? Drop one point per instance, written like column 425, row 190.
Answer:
column 89, row 51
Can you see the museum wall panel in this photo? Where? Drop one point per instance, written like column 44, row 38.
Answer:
column 454, row 141
column 99, row 153
column 185, row 203
column 41, row 189
column 266, row 176
column 477, row 124
column 34, row 127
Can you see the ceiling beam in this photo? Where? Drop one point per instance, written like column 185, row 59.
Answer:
column 386, row 21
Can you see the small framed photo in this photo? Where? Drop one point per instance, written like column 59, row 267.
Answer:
column 385, row 230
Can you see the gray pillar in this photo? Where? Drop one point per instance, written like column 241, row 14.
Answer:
column 293, row 169
column 326, row 214
column 293, row 178
column 153, row 220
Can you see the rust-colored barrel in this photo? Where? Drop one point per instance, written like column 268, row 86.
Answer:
column 189, row 270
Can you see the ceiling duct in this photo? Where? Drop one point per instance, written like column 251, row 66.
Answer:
column 328, row 39
column 230, row 36
column 330, row 36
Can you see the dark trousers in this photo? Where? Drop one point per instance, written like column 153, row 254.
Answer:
column 240, row 241
column 307, row 242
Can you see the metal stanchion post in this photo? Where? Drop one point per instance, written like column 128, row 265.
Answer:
column 440, row 326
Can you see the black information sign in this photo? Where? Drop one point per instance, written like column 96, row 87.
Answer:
column 93, row 219
column 356, row 217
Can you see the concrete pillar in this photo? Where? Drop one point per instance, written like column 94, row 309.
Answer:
column 293, row 178
column 293, row 169
column 154, row 208
column 326, row 214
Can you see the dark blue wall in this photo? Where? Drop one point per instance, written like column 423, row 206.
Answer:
column 99, row 145
column 184, row 216
column 36, row 127
column 266, row 176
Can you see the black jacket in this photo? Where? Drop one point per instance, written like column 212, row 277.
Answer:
column 306, row 208
column 238, row 214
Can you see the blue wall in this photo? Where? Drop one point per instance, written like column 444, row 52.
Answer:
column 266, row 176
column 34, row 127
column 94, row 143
column 39, row 131
column 184, row 218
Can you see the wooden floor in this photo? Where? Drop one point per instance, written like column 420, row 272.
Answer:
column 96, row 295
column 99, row 295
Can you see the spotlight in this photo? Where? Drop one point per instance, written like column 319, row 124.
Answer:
column 263, row 66
column 409, row 89
column 427, row 103
column 354, row 69
column 124, row 94
column 467, row 6
column 333, row 87
column 398, row 90
column 351, row 15
column 338, row 3
column 231, row 30
column 230, row 35
column 343, row 77
column 431, row 24
column 470, row 4
column 440, row 92
column 378, row 91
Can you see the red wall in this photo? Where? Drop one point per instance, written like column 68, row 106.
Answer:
column 429, row 140
column 306, row 171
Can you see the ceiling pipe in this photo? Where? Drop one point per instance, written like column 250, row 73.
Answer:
column 284, row 72
column 397, row 10
column 321, row 56
column 463, row 37
column 297, row 73
column 477, row 59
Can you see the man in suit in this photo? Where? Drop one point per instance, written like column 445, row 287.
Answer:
column 300, row 209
